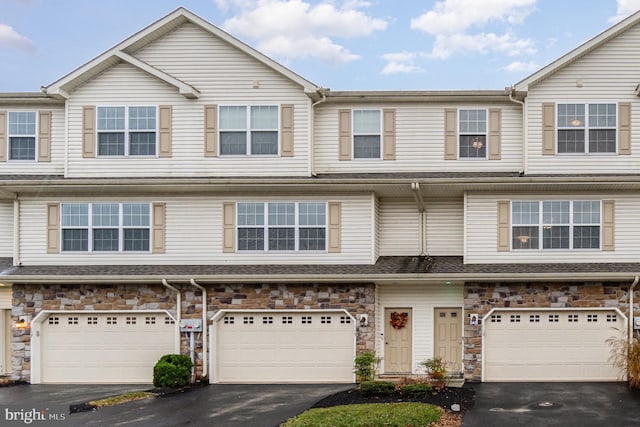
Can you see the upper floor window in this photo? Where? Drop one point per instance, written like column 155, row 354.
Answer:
column 472, row 133
column 127, row 131
column 281, row 226
column 22, row 135
column 555, row 224
column 367, row 130
column 587, row 128
column 249, row 130
column 106, row 227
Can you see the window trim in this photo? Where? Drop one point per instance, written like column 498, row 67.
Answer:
column 247, row 129
column 380, row 134
column 90, row 227
column 460, row 133
column 35, row 137
column 586, row 128
column 127, row 132
column 541, row 224
column 297, row 227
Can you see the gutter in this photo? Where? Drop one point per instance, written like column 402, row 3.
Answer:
column 16, row 231
column 417, row 195
column 524, row 130
column 205, row 327
column 631, row 292
column 178, row 311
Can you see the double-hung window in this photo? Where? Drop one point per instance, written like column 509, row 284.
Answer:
column 249, row 130
column 282, row 226
column 367, row 131
column 555, row 224
column 106, row 227
column 472, row 134
column 22, row 135
column 127, row 131
column 587, row 128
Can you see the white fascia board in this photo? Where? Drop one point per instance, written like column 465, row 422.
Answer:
column 578, row 52
column 185, row 89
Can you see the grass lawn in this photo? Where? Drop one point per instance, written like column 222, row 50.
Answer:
column 369, row 415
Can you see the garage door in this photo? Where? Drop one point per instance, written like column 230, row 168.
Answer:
column 104, row 348
column 285, row 347
column 563, row 345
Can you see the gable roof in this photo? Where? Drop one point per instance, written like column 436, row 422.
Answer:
column 124, row 52
column 578, row 52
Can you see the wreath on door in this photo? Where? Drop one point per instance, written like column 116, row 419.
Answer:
column 399, row 320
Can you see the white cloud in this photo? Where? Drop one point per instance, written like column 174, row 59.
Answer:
column 625, row 8
column 295, row 28
column 400, row 62
column 455, row 25
column 9, row 38
column 521, row 67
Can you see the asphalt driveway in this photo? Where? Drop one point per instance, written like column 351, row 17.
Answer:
column 553, row 404
column 220, row 405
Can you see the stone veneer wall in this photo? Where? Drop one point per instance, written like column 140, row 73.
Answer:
column 480, row 298
column 31, row 299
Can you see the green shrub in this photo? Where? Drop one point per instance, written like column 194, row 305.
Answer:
column 377, row 388
column 625, row 356
column 436, row 370
column 365, row 366
column 417, row 390
column 172, row 370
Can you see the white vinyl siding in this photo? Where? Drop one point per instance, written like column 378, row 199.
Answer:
column 482, row 229
column 399, row 227
column 445, row 227
column 6, row 229
column 589, row 80
column 6, row 296
column 194, row 234
column 422, row 299
column 419, row 141
column 223, row 75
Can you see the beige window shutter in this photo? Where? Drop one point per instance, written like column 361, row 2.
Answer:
column 159, row 228
column 286, row 130
column 450, row 134
column 88, row 131
column 229, row 227
column 624, row 128
column 495, row 134
column 335, row 227
column 504, row 223
column 44, row 136
column 210, row 130
column 165, row 130
column 389, row 134
column 3, row 136
column 344, row 134
column 548, row 129
column 53, row 228
column 608, row 225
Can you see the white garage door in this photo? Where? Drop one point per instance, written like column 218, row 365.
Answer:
column 285, row 347
column 563, row 345
column 104, row 348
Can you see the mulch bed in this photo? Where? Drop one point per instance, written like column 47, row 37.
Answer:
column 445, row 398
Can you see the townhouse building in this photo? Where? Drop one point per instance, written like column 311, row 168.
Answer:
column 182, row 192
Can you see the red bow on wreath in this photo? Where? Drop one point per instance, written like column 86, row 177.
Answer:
column 399, row 320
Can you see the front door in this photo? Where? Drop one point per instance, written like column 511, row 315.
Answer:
column 397, row 340
column 448, row 337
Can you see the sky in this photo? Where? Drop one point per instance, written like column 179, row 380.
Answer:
column 338, row 44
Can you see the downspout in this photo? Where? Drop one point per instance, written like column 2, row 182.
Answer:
column 525, row 155
column 205, row 328
column 178, row 310
column 631, row 291
column 312, row 158
column 417, row 195
column 16, row 231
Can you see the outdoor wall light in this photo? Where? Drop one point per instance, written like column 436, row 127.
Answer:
column 363, row 319
column 24, row 321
